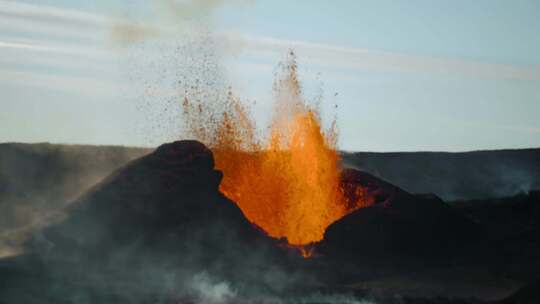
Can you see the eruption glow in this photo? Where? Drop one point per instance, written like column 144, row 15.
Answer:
column 287, row 183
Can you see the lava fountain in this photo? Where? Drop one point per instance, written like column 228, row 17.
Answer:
column 288, row 181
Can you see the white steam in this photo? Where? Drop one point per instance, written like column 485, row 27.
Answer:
column 209, row 291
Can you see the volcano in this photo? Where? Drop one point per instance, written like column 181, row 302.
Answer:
column 174, row 192
column 163, row 214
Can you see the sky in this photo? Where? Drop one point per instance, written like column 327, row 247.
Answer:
column 417, row 75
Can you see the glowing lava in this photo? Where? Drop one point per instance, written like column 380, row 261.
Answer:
column 287, row 182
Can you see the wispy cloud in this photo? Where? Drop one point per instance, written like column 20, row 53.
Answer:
column 341, row 57
column 77, row 37
column 59, row 22
column 68, row 84
column 49, row 13
column 66, row 43
column 67, row 49
column 49, row 31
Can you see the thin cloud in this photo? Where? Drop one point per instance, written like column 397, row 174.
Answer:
column 31, row 45
column 340, row 57
column 50, row 30
column 63, row 83
column 31, row 58
column 49, row 13
column 48, row 21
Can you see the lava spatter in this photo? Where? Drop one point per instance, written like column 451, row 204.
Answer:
column 287, row 181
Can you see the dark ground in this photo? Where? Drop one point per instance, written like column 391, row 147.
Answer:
column 158, row 231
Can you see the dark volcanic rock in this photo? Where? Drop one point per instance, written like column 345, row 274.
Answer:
column 398, row 224
column 529, row 294
column 373, row 189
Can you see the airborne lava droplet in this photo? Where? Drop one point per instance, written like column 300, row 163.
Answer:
column 287, row 182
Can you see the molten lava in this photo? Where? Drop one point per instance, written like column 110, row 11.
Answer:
column 287, row 182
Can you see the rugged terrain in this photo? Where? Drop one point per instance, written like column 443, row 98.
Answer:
column 157, row 230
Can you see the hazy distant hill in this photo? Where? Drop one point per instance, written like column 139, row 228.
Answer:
column 38, row 177
column 455, row 176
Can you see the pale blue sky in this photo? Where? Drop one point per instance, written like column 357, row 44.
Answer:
column 409, row 75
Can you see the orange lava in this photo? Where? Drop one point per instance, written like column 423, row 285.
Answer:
column 286, row 182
